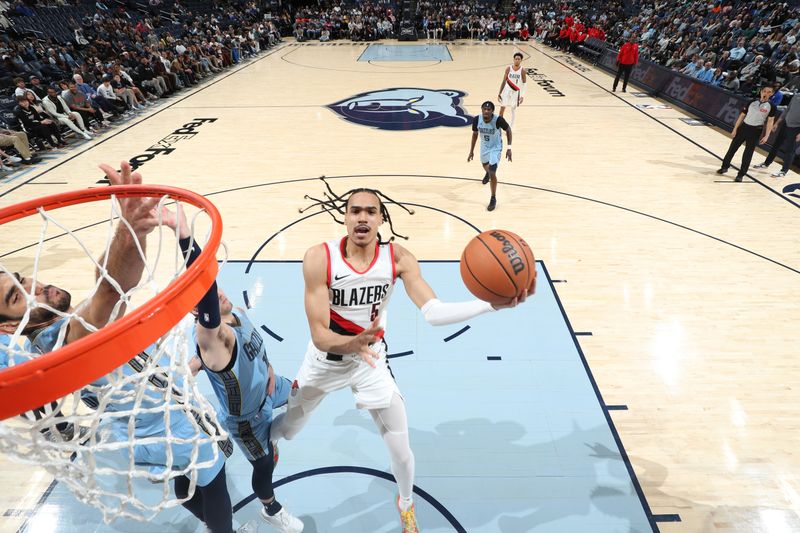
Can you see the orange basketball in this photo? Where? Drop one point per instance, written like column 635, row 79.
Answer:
column 497, row 266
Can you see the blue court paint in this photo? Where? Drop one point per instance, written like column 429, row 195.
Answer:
column 522, row 446
column 407, row 52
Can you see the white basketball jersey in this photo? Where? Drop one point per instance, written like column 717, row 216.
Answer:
column 357, row 298
column 514, row 79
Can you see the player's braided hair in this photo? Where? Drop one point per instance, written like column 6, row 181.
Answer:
column 333, row 203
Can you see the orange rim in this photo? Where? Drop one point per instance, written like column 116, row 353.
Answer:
column 61, row 372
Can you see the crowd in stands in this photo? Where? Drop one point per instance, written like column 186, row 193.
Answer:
column 362, row 21
column 71, row 67
column 450, row 20
column 737, row 45
column 119, row 63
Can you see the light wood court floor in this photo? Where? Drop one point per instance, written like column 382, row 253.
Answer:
column 688, row 283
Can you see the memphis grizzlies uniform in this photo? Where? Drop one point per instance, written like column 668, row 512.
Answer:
column 491, row 135
column 356, row 299
column 149, row 424
column 241, row 388
column 511, row 90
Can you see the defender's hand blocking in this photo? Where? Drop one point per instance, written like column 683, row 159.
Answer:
column 176, row 220
column 138, row 212
column 361, row 342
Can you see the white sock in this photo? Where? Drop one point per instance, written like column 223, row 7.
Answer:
column 393, row 427
column 405, row 503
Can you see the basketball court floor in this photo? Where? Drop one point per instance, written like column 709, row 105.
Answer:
column 649, row 385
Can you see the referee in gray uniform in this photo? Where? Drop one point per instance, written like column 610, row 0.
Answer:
column 750, row 130
column 788, row 131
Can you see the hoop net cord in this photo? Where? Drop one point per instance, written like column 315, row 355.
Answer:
column 137, row 418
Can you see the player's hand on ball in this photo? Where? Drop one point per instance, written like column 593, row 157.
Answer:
column 515, row 302
column 363, row 341
column 470, row 156
column 508, row 154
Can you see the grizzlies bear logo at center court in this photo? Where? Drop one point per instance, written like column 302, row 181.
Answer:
column 404, row 108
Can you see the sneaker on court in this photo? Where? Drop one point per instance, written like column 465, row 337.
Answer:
column 485, row 178
column 282, row 521
column 739, row 178
column 14, row 159
column 778, row 174
column 492, row 204
column 761, row 165
column 723, row 170
column 408, row 518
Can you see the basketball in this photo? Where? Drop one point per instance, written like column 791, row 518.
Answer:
column 497, row 266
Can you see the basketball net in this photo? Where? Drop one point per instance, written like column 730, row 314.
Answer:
column 118, row 442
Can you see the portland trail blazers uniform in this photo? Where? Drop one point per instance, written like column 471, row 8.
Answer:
column 356, row 299
column 513, row 88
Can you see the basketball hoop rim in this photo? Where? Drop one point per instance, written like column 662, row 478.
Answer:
column 58, row 373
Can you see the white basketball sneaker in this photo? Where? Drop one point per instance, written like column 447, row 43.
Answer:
column 283, row 521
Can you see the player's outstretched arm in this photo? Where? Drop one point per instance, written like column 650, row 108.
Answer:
column 215, row 339
column 438, row 313
column 125, row 264
column 315, row 273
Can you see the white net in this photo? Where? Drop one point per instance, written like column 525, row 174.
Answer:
column 118, row 442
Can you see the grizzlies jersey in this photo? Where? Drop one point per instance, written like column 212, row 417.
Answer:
column 490, row 132
column 44, row 340
column 241, row 387
column 514, row 79
column 357, row 298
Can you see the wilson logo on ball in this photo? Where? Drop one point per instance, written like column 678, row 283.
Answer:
column 517, row 263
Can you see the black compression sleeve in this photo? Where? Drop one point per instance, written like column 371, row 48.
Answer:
column 208, row 306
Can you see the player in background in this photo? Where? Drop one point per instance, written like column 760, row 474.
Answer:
column 512, row 88
column 488, row 127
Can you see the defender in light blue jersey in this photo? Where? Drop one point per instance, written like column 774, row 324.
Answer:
column 246, row 387
column 151, row 424
column 232, row 352
column 487, row 126
column 60, row 431
column 124, row 264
